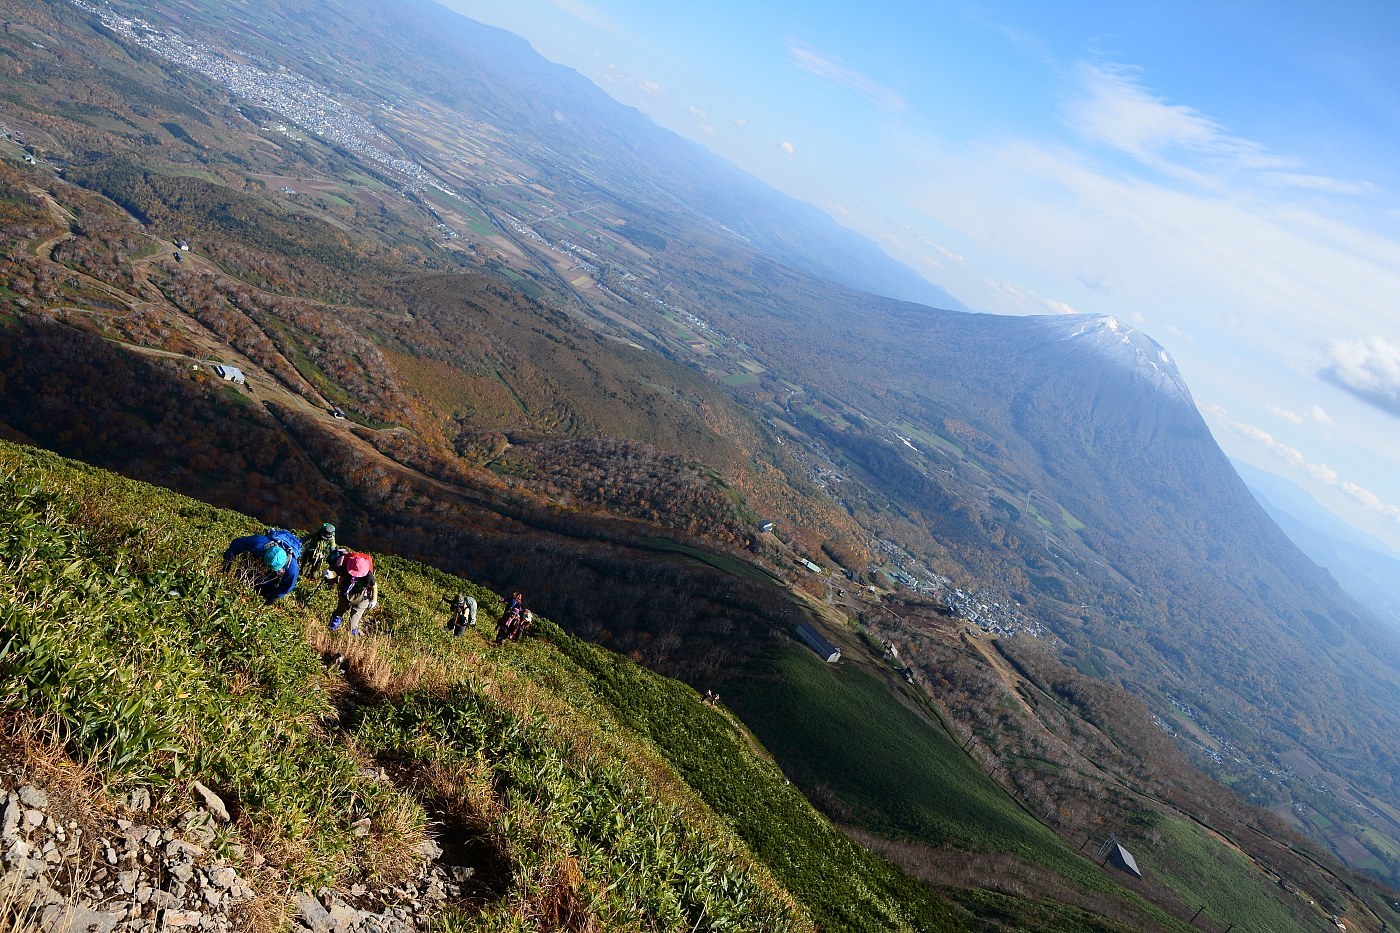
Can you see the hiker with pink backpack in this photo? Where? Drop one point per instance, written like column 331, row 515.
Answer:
column 356, row 588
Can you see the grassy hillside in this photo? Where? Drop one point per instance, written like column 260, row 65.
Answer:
column 879, row 765
column 533, row 762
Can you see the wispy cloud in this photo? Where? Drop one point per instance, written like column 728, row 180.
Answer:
column 588, row 14
column 787, row 147
column 1368, row 369
column 827, row 66
column 651, row 87
column 1313, row 413
column 1372, row 501
column 1110, row 105
column 1289, row 455
column 1295, row 459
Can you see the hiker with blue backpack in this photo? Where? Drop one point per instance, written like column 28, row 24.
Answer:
column 270, row 561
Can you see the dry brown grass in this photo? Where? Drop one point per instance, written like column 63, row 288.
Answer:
column 369, row 661
column 557, row 899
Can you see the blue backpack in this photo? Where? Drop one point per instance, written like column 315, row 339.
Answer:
column 288, row 541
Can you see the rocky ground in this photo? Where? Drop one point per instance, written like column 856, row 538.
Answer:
column 67, row 869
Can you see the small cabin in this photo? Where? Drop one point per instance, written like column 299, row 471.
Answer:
column 1123, row 859
column 811, row 566
column 230, row 373
column 814, row 640
column 765, row 526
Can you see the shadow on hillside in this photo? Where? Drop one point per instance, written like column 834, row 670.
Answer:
column 471, row 855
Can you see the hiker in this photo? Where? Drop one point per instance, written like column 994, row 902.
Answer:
column 357, row 589
column 335, row 559
column 463, row 614
column 515, row 620
column 317, row 546
column 269, row 561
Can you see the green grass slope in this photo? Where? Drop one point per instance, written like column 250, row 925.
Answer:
column 882, row 767
column 586, row 792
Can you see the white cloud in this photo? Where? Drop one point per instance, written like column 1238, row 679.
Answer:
column 1368, row 369
column 1317, row 413
column 1372, row 501
column 651, row 87
column 1177, row 332
column 827, row 66
column 787, row 147
column 1295, row 458
column 696, row 112
column 740, row 122
column 1110, row 105
column 1290, row 455
column 1320, row 183
column 1313, row 413
column 589, row 15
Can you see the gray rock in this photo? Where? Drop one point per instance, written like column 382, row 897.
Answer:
column 75, row 919
column 223, row 878
column 183, row 918
column 182, row 871
column 10, row 821
column 33, row 797
column 152, row 838
column 310, row 912
column 139, row 800
column 430, row 850
column 212, row 802
column 32, row 867
column 164, row 900
column 343, row 917
column 360, row 827
column 182, row 851
column 17, row 850
column 33, row 819
column 126, row 880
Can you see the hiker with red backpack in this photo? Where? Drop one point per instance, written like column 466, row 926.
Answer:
column 270, row 561
column 516, row 621
column 357, row 589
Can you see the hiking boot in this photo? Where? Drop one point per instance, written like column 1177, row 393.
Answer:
column 335, row 623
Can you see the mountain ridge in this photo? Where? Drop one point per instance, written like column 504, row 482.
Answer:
column 1024, row 465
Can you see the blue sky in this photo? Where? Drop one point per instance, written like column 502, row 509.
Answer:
column 1222, row 175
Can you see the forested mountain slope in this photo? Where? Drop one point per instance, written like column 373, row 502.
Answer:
column 561, row 374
